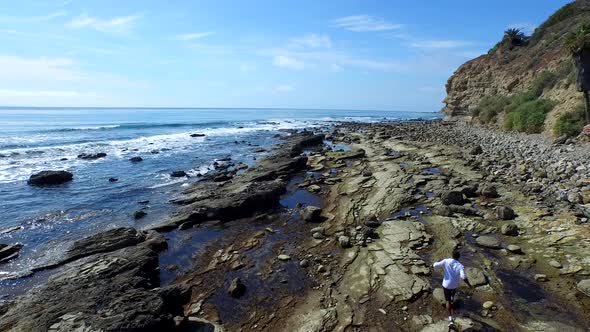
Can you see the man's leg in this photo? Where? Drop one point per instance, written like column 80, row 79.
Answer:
column 449, row 297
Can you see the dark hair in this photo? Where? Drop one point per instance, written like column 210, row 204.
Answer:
column 456, row 254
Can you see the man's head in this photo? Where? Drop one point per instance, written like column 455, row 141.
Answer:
column 456, row 254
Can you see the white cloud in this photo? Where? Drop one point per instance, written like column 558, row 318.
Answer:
column 284, row 88
column 31, row 19
column 44, row 93
column 364, row 23
column 288, row 62
column 312, row 40
column 440, row 44
column 193, row 36
column 526, row 27
column 121, row 25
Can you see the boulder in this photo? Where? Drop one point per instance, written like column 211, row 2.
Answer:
column 236, row 288
column 311, row 214
column 476, row 150
column 113, row 179
column 505, row 213
column 452, row 197
column 476, row 276
column 139, row 214
column 513, row 248
column 197, row 135
column 488, row 190
column 48, row 178
column 488, row 242
column 575, row 198
column 344, row 241
column 509, row 229
column 584, row 286
column 439, row 295
column 92, row 156
column 178, row 174
column 555, row 264
column 136, row 159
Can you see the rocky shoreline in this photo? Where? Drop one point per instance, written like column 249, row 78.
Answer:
column 336, row 231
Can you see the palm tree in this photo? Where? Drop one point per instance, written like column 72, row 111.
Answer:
column 578, row 44
column 514, row 37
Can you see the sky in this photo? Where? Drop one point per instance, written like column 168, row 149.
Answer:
column 345, row 54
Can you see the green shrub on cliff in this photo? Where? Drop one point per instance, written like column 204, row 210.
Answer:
column 570, row 123
column 545, row 80
column 529, row 117
column 490, row 106
column 523, row 111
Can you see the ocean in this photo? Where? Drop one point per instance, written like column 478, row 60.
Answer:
column 48, row 219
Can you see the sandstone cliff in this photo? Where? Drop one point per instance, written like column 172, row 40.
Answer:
column 507, row 69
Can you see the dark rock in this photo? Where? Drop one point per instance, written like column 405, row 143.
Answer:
column 311, row 214
column 505, row 213
column 47, row 178
column 307, row 140
column 373, row 223
column 488, row 190
column 92, row 156
column 344, row 241
column 509, row 229
column 223, row 177
column 136, row 159
column 139, row 214
column 236, row 288
column 197, row 135
column 452, row 197
column 107, row 292
column 107, row 241
column 466, row 210
column 178, row 174
column 8, row 252
column 476, row 150
column 113, row 179
column 443, row 210
column 367, row 173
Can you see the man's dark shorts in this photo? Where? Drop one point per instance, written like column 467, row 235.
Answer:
column 449, row 294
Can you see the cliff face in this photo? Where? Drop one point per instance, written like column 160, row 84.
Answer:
column 507, row 69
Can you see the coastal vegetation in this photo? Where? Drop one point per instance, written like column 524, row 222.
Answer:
column 578, row 44
column 570, row 123
column 525, row 111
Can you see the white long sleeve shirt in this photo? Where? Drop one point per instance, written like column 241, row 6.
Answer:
column 453, row 270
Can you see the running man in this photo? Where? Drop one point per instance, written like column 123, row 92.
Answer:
column 453, row 270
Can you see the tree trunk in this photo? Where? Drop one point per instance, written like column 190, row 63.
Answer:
column 587, row 104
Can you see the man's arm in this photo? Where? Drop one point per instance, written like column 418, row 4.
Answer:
column 438, row 264
column 463, row 276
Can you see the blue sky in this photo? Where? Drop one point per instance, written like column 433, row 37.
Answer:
column 346, row 54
